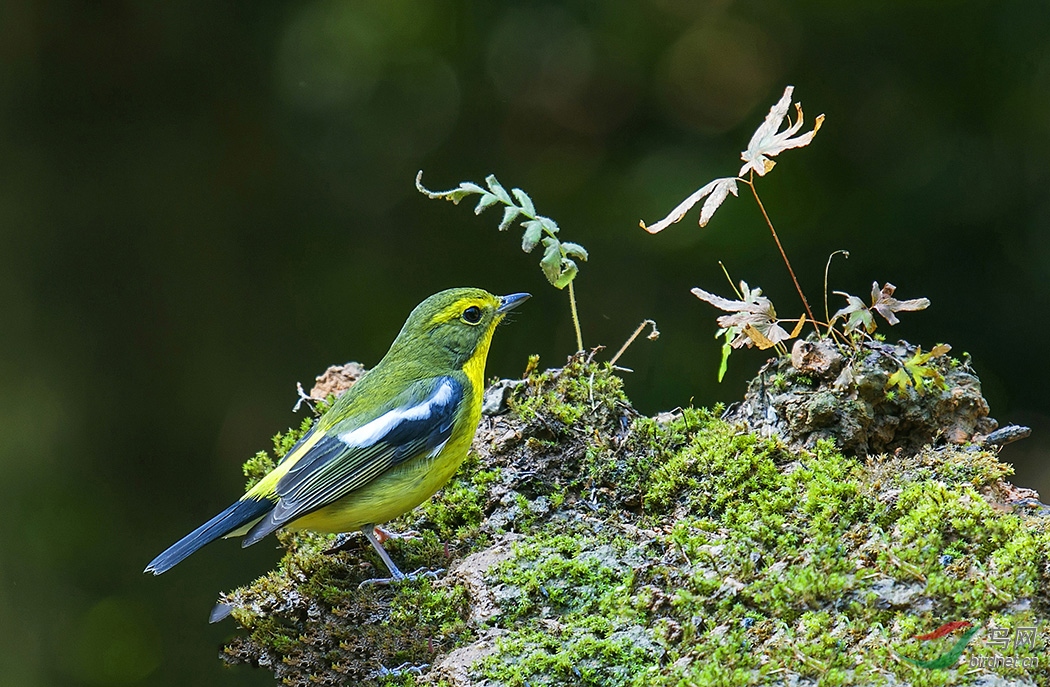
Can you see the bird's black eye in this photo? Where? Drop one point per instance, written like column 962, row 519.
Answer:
column 472, row 315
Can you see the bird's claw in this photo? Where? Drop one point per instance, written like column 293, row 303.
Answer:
column 411, row 577
column 402, row 669
column 383, row 535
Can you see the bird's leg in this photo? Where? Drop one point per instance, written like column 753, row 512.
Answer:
column 370, row 535
column 342, row 542
column 370, row 532
column 384, row 536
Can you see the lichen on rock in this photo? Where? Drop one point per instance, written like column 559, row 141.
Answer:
column 586, row 544
column 846, row 394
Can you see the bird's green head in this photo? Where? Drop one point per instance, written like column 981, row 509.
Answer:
column 452, row 329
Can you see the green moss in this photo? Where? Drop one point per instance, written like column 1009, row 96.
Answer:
column 666, row 551
column 437, row 612
column 455, row 514
column 565, row 619
column 257, row 467
column 778, row 561
column 560, row 398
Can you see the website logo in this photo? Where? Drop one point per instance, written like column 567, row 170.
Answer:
column 950, row 657
column 1023, row 641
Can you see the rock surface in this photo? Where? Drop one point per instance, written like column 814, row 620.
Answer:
column 587, row 545
column 822, row 392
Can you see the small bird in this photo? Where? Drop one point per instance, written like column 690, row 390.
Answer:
column 387, row 444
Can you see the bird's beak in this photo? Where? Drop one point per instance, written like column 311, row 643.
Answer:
column 508, row 303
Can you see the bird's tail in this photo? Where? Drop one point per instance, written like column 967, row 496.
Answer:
column 239, row 514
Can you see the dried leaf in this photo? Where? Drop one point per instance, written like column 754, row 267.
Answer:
column 939, row 350
column 728, row 304
column 753, row 318
column 723, row 187
column 883, row 302
column 761, row 340
column 767, row 142
column 716, row 192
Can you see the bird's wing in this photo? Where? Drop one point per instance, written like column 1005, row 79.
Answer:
column 349, row 455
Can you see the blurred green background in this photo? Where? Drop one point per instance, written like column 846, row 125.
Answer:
column 202, row 203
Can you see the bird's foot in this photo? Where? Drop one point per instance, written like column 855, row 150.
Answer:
column 399, row 576
column 403, row 669
column 384, row 535
column 342, row 541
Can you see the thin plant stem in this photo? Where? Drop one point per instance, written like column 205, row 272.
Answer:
column 750, row 182
column 827, row 267
column 575, row 318
column 725, row 271
column 630, row 340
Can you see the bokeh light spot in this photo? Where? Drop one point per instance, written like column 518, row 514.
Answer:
column 115, row 643
column 717, row 73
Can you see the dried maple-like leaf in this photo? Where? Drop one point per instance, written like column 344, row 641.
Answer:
column 753, row 317
column 716, row 192
column 767, row 142
column 883, row 302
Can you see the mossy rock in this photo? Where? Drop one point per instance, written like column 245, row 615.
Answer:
column 587, row 545
column 869, row 398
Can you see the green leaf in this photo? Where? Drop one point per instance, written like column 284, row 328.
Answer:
column 574, row 249
column 486, row 201
column 727, row 348
column 455, row 195
column 498, row 189
column 568, row 273
column 550, row 225
column 551, row 262
column 510, row 213
column 899, row 379
column 533, row 232
column 918, row 373
column 861, row 319
column 524, row 201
